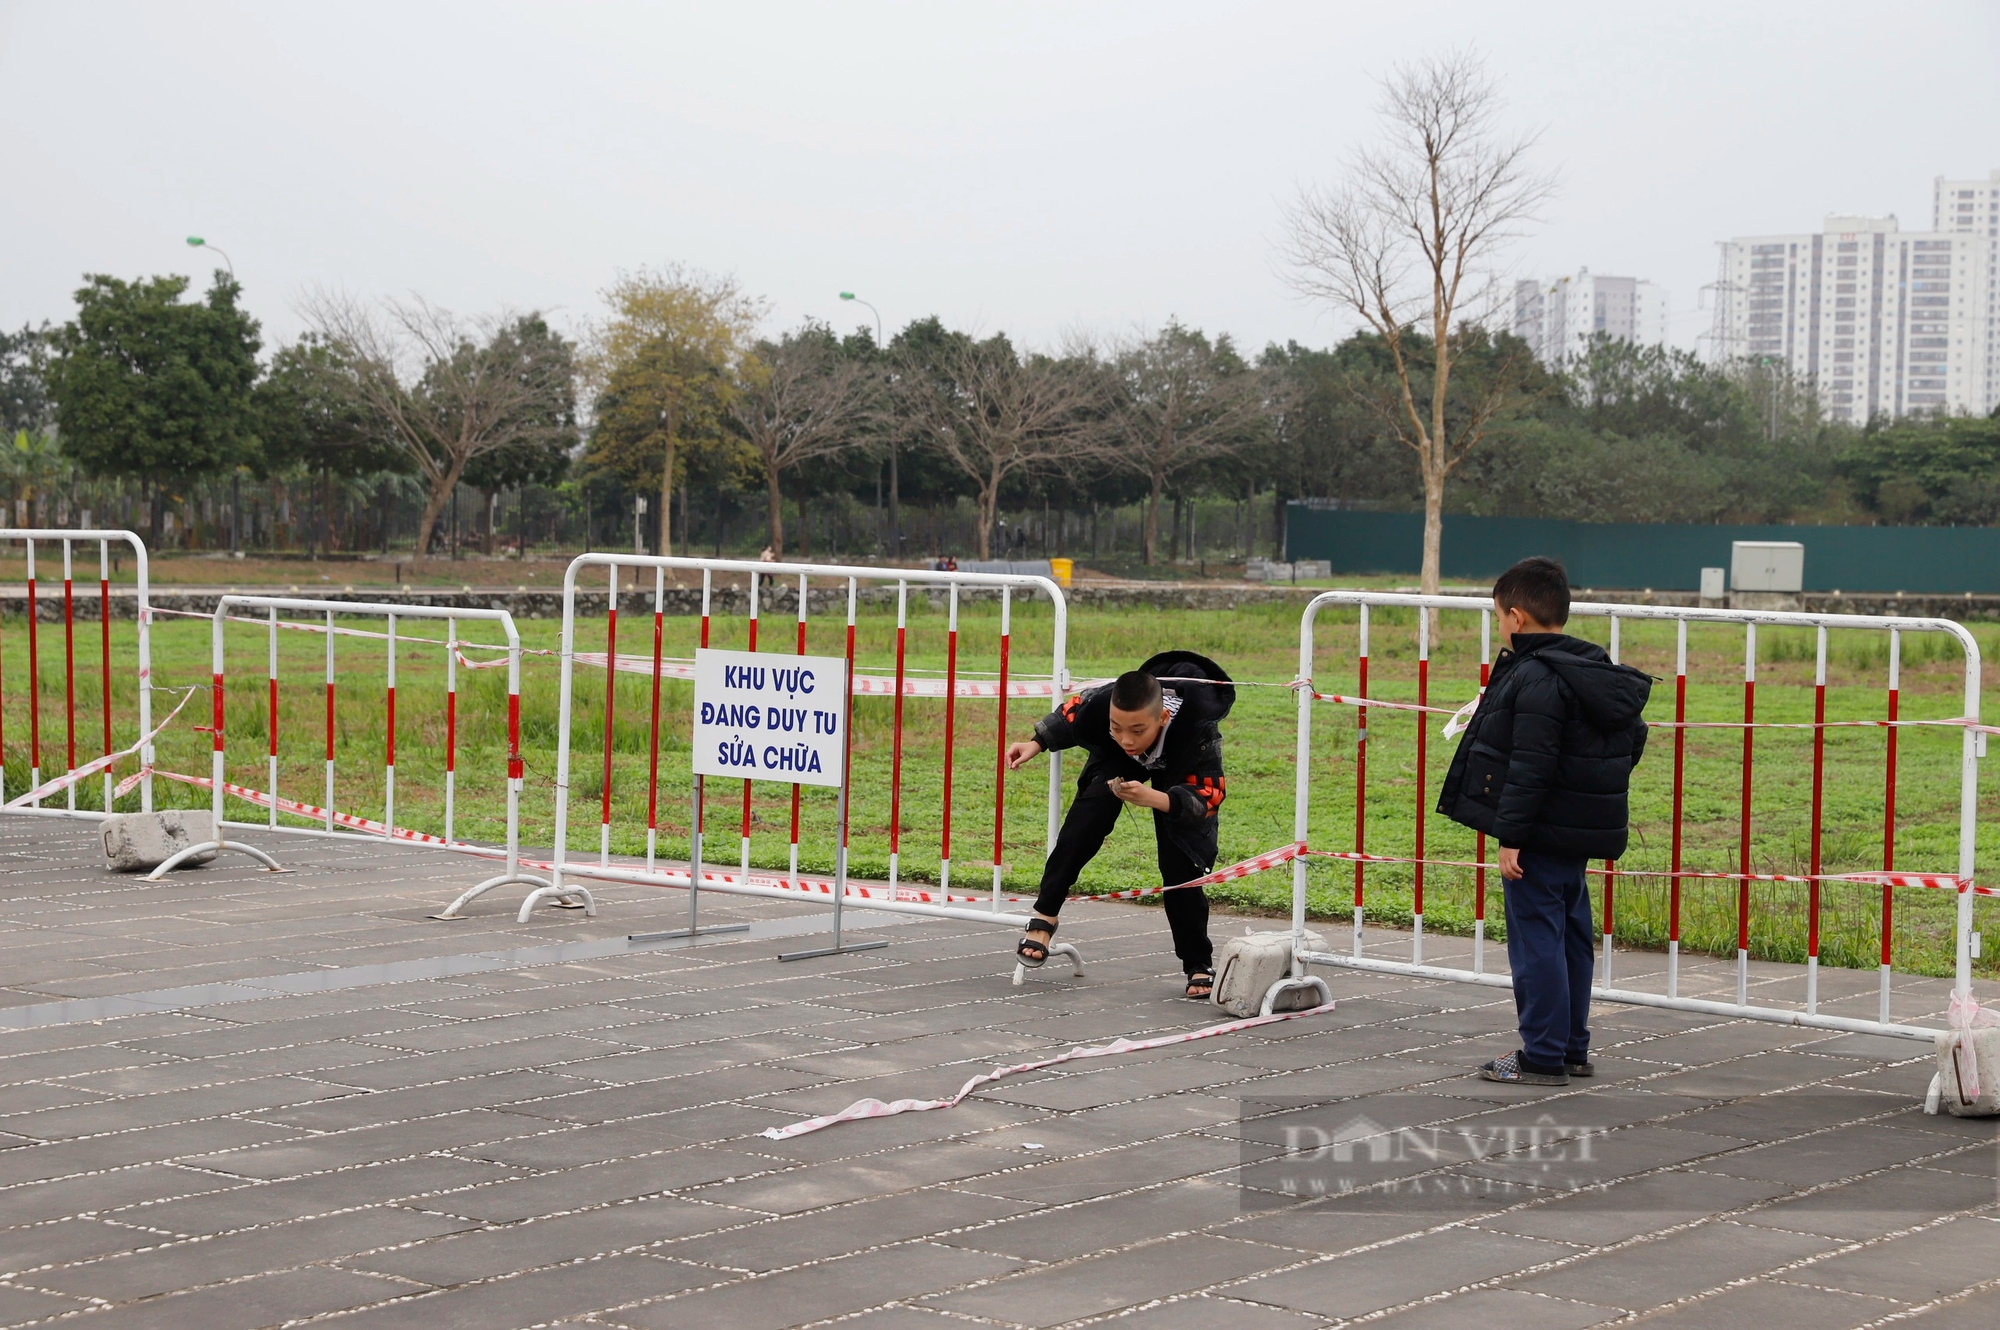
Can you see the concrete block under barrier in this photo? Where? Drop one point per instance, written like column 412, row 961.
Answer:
column 138, row 841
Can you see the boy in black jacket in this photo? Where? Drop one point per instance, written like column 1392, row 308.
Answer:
column 1151, row 744
column 1543, row 768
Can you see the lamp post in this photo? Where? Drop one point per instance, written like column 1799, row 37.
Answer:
column 895, row 489
column 196, row 242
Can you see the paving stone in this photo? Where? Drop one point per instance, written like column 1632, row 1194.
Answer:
column 1059, row 1181
column 1097, row 1285
column 828, row 1288
column 1880, row 1203
column 572, row 1189
column 1765, row 1303
column 1827, row 1156
column 1059, row 1234
column 536, row 1297
column 1382, row 1277
column 146, row 1184
column 271, row 1299
column 82, row 1239
column 1205, row 1312
column 1980, row 1311
column 246, row 1206
column 1651, row 1274
column 811, row 1186
column 764, row 1245
column 185, row 1264
column 1936, row 1262
column 1500, row 1309
column 1632, row 1206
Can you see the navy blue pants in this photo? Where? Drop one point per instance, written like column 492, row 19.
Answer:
column 1552, row 949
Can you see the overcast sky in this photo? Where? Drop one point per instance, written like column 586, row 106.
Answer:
column 1027, row 168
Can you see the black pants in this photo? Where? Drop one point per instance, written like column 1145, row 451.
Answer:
column 1551, row 948
column 1186, row 851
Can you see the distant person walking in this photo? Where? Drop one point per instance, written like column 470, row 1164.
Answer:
column 1544, row 768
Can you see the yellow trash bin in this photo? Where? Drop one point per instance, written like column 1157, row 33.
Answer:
column 1062, row 569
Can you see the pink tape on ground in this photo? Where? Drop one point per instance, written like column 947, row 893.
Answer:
column 875, row 1108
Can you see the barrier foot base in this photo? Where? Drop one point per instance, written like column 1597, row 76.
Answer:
column 1283, row 986
column 554, row 894
column 1055, row 949
column 456, row 910
column 825, row 951
column 703, row 931
column 181, row 856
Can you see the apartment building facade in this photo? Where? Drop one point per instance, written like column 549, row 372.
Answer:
column 1881, row 321
column 1558, row 317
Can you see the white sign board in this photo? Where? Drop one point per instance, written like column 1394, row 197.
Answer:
column 762, row 716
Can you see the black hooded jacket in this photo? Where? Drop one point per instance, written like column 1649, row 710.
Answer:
column 1547, row 760
column 1189, row 767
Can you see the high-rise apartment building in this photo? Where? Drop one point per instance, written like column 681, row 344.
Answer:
column 1558, row 317
column 1971, row 208
column 1882, row 322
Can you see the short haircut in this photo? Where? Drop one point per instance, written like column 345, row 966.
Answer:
column 1538, row 587
column 1135, row 690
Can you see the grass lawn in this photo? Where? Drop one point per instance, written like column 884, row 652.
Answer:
column 1258, row 643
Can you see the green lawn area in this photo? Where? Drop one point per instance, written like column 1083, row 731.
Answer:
column 1258, row 643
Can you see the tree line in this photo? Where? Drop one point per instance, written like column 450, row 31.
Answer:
column 677, row 397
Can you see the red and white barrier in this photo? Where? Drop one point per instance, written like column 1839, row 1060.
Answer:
column 106, row 757
column 896, row 681
column 1972, row 743
column 344, row 825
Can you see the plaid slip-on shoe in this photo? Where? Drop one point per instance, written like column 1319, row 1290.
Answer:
column 1509, row 1070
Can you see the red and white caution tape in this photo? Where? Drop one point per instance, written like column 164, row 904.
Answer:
column 1935, row 881
column 875, row 1108
column 1284, row 854
column 95, row 765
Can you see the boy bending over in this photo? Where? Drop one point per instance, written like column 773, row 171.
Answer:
column 1155, row 745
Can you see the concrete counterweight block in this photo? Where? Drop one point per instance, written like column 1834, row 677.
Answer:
column 134, row 842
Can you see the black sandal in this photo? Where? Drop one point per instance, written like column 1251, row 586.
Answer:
column 1201, row 985
column 1035, row 954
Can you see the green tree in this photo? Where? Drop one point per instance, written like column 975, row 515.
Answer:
column 662, row 366
column 447, row 391
column 799, row 400
column 308, row 422
column 1929, row 472
column 24, row 400
column 150, row 387
column 1180, row 406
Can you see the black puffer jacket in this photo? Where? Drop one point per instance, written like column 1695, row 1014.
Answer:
column 1547, row 760
column 1189, row 767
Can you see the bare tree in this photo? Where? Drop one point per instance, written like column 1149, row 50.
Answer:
column 446, row 390
column 799, row 400
column 1180, row 404
column 994, row 415
column 1405, row 242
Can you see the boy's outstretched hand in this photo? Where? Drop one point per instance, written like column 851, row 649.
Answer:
column 1021, row 752
column 1140, row 793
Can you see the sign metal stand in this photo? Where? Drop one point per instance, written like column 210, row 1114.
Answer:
column 846, row 779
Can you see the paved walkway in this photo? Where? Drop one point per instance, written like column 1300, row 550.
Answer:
column 237, row 1099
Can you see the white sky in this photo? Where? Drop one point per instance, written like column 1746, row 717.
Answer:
column 1017, row 167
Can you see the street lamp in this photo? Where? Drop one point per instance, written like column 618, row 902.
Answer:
column 895, row 489
column 849, row 295
column 196, row 242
